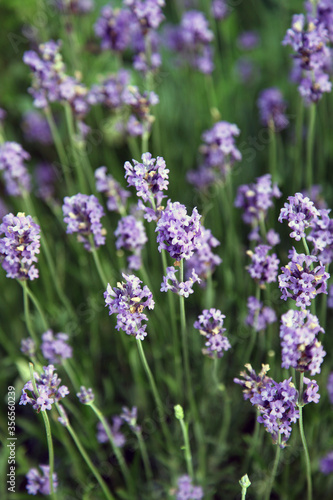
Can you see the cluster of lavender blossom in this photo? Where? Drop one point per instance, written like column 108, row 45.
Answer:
column 48, row 389
column 210, row 325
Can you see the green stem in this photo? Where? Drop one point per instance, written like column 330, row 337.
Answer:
column 27, row 313
column 272, row 151
column 275, row 466
column 48, row 435
column 309, row 147
column 298, row 147
column 305, row 447
column 187, row 449
column 254, row 328
column 144, row 454
column 98, row 264
column 71, row 131
column 36, row 303
column 116, row 450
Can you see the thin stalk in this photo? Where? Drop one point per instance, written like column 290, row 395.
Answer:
column 48, row 435
column 145, row 458
column 98, row 264
column 36, row 303
column 27, row 316
column 187, row 449
column 71, row 131
column 272, row 151
column 254, row 441
column 298, row 147
column 254, row 328
column 116, row 450
column 305, row 447
column 275, row 466
column 309, row 147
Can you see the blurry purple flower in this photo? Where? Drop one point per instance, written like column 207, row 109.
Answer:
column 130, row 417
column 310, row 394
column 219, row 9
column 128, row 300
column 184, row 289
column 116, row 195
column 48, row 390
column 82, row 214
column 19, row 246
column 3, row 115
column 113, row 27
column 131, row 235
column 321, row 236
column 248, row 40
column 263, row 267
column 186, row 490
column 109, row 92
column 301, row 283
column 203, row 260
column 330, row 387
column 330, row 297
column 147, row 12
column 245, row 69
column 40, row 483
column 300, row 213
column 210, row 325
column 55, row 348
column 272, row 109
column 45, row 175
column 36, row 128
column 259, row 315
column 178, row 233
column 140, row 120
column 118, row 437
column 74, row 6
column 86, row 396
column 300, row 346
column 326, row 463
column 15, row 174
column 28, row 347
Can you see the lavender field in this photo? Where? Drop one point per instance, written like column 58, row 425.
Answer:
column 165, row 247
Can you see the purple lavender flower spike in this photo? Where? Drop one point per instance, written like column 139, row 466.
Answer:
column 128, row 300
column 326, row 463
column 45, row 177
column 321, row 236
column 109, row 92
column 48, row 390
column 28, row 347
column 210, row 325
column 203, row 260
column 177, row 232
column 3, row 115
column 55, row 348
column 272, row 109
column 259, row 315
column 141, row 119
column 248, row 40
column 147, row 12
column 74, row 6
column 82, row 213
column 130, row 417
column 40, row 483
column 131, row 235
column 301, row 283
column 118, row 437
column 263, row 267
column 300, row 346
column 36, row 128
column 19, row 246
column 184, row 289
column 117, row 196
column 330, row 297
column 86, row 396
column 330, row 387
column 219, row 9
column 187, row 491
column 300, row 213
column 113, row 28
column 15, row 174
column 310, row 394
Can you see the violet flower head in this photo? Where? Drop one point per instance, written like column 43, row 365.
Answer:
column 321, row 236
column 259, row 316
column 248, row 40
column 109, row 92
column 177, row 232
column 276, row 402
column 76, row 7
column 141, row 119
column 256, row 198
column 118, row 437
column 45, row 176
column 326, row 463
column 113, row 28
column 263, row 267
column 182, row 288
column 36, row 128
column 116, row 195
column 15, row 174
column 48, row 387
column 128, row 300
column 324, row 15
column 55, row 348
column 219, row 9
column 210, row 325
column 300, row 282
column 300, row 213
column 86, row 396
column 19, row 246
column 150, row 178
column 3, row 115
column 300, row 346
column 131, row 236
column 272, row 108
column 130, row 417
column 39, row 483
column 310, row 393
column 82, row 214
column 187, row 491
column 147, row 12
column 329, row 387
column 330, row 297
column 203, row 260
column 28, row 347
column 219, row 149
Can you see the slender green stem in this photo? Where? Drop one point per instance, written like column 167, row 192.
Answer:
column 254, row 328
column 116, row 450
column 98, row 264
column 27, row 316
column 145, row 458
column 275, row 466
column 36, row 303
column 153, row 387
column 307, row 251
column 48, row 435
column 298, row 147
column 71, row 131
column 309, row 147
column 305, row 447
column 254, row 441
column 187, row 449
column 272, row 151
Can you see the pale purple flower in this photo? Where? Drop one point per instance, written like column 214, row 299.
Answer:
column 28, row 347
column 310, row 393
column 329, row 387
column 109, row 92
column 15, row 174
column 272, row 108
column 148, row 13
column 130, row 417
column 36, row 128
column 40, row 483
column 321, row 236
column 300, row 213
column 326, row 463
column 182, row 288
column 263, row 267
column 45, row 176
column 187, row 491
column 131, row 236
column 74, row 6
column 219, row 9
column 259, row 316
column 118, row 437
column 19, row 246
column 210, row 325
column 141, row 119
column 86, row 396
column 113, row 27
column 203, row 260
column 248, row 40
column 48, row 387
column 116, row 195
column 55, row 348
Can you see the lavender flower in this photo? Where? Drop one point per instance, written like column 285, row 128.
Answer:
column 256, row 198
column 324, row 15
column 177, row 232
column 248, row 40
column 82, row 213
column 118, row 437
column 55, row 348
column 330, row 297
column 326, row 463
column 130, row 417
column 109, row 92
column 40, row 483
column 45, row 176
column 184, row 289
column 113, row 27
column 321, row 236
column 48, row 390
column 186, row 490
column 19, row 246
column 219, row 9
column 277, row 402
column 259, row 315
column 131, row 235
column 86, row 396
column 272, row 109
column 116, row 195
column 128, row 300
column 28, row 347
column 219, row 149
column 203, row 260
column 300, row 282
column 150, row 179
column 300, row 347
column 140, row 120
column 300, row 213
column 210, row 325
column 15, row 174
column 36, row 128
column 147, row 12
column 330, row 387
column 263, row 268
column 74, row 6
column 310, row 394
column 3, row 115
